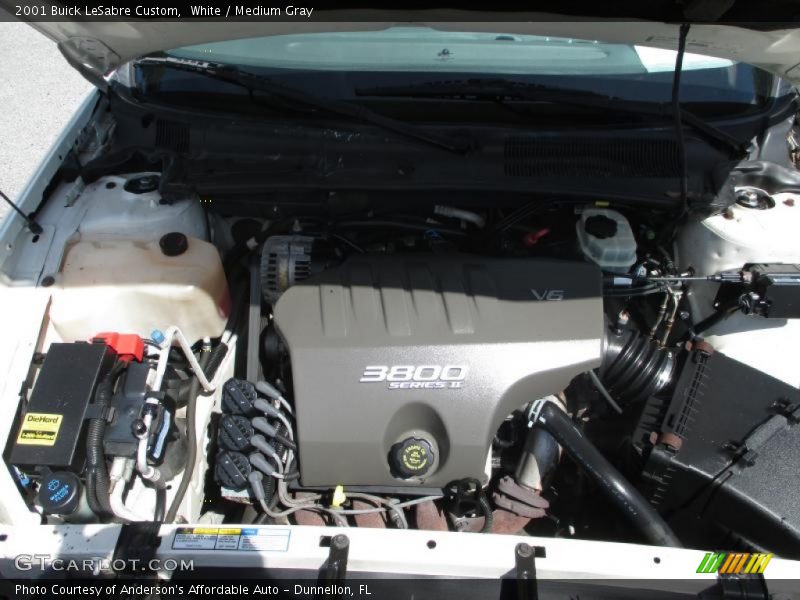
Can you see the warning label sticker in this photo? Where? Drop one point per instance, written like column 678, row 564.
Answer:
column 235, row 538
column 39, row 429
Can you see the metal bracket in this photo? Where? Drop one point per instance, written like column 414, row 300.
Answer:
column 137, row 545
column 525, row 557
column 465, row 496
column 742, row 587
column 335, row 568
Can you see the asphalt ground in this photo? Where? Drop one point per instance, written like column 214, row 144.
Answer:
column 39, row 92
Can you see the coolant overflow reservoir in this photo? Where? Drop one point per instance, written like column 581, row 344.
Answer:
column 606, row 238
column 136, row 287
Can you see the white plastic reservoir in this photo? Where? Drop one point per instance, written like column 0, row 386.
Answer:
column 131, row 286
column 130, row 207
column 607, row 239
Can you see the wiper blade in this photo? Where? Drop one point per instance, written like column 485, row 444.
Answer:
column 481, row 88
column 499, row 90
column 254, row 82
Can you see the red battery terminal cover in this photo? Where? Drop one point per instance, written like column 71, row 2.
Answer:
column 128, row 346
column 532, row 238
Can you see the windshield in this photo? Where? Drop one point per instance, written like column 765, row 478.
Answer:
column 425, row 49
column 402, row 55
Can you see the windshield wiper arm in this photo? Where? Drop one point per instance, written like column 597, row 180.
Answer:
column 500, row 89
column 255, row 82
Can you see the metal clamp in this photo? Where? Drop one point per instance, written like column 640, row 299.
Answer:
column 537, row 405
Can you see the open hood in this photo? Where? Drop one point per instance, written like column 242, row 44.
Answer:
column 98, row 48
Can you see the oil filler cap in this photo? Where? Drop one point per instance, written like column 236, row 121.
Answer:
column 60, row 493
column 413, row 457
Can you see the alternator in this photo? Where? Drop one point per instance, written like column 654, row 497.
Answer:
column 285, row 260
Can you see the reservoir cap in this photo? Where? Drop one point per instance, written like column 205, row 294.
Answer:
column 60, row 493
column 173, row 244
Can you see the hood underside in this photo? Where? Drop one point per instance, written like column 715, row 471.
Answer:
column 97, row 48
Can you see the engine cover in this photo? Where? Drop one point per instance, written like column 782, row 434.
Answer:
column 404, row 367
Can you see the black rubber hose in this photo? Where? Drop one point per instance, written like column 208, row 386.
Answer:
column 271, row 485
column 486, row 509
column 161, row 504
column 91, row 495
column 209, row 363
column 285, row 441
column 98, row 484
column 215, row 358
column 634, row 367
column 640, row 512
column 539, row 459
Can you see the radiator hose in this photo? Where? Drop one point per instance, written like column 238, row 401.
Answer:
column 640, row 512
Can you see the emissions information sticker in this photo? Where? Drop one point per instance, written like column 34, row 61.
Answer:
column 235, row 538
column 39, row 429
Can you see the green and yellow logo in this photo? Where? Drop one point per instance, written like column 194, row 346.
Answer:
column 734, row 563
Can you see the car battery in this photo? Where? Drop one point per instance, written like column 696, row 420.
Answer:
column 52, row 430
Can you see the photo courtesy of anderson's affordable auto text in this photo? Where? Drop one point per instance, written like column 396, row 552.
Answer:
column 417, row 301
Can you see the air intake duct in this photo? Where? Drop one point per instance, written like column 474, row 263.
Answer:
column 634, row 367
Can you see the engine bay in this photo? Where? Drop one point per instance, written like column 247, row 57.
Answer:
column 559, row 367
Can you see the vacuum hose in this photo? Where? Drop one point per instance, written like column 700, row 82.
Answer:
column 641, row 513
